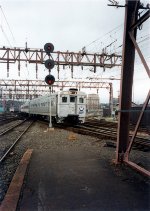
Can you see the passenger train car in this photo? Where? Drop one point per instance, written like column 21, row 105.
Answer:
column 65, row 106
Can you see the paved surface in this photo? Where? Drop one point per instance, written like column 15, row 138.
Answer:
column 78, row 180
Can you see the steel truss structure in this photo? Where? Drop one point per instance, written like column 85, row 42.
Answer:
column 28, row 89
column 129, row 47
column 38, row 56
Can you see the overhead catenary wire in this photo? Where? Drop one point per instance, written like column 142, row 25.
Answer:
column 99, row 38
column 142, row 38
column 102, row 42
column 5, row 35
column 7, row 24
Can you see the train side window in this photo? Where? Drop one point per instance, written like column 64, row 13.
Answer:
column 72, row 99
column 52, row 103
column 81, row 100
column 64, row 99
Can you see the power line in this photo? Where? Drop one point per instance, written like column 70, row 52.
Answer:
column 7, row 24
column 98, row 45
column 5, row 35
column 103, row 35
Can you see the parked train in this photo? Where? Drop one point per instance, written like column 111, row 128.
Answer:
column 67, row 106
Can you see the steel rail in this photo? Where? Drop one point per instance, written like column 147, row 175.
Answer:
column 12, row 127
column 5, row 121
column 12, row 146
column 105, row 133
column 95, row 123
column 96, row 129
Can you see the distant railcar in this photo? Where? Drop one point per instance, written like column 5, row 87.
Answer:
column 1, row 109
column 11, row 109
column 134, row 115
column 93, row 102
column 65, row 106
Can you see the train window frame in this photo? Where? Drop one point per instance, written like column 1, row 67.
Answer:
column 80, row 100
column 72, row 97
column 64, row 97
column 53, row 103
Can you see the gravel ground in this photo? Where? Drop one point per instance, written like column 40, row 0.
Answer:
column 40, row 139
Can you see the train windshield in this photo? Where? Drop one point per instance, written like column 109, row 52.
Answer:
column 64, row 99
column 72, row 99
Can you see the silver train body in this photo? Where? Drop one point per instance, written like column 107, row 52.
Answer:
column 65, row 106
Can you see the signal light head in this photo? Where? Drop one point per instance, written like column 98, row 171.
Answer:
column 49, row 48
column 49, row 64
column 50, row 79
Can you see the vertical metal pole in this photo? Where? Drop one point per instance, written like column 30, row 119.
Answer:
column 29, row 108
column 19, row 65
column 7, row 63
column 126, row 80
column 111, row 98
column 58, row 66
column 28, row 89
column 50, row 113
column 36, row 65
column 1, row 96
column 15, row 89
column 72, row 65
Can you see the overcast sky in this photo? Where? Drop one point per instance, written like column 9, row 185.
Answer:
column 69, row 25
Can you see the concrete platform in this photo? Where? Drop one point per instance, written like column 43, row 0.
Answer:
column 78, row 180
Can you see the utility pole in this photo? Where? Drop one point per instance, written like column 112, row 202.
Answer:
column 131, row 15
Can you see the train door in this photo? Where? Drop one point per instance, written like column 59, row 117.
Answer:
column 73, row 105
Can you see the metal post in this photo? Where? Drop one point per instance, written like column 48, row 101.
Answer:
column 1, row 94
column 125, row 101
column 111, row 98
column 50, row 113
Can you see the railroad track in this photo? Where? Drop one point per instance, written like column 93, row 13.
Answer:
column 7, row 128
column 108, row 132
column 107, row 124
column 4, row 119
column 10, row 137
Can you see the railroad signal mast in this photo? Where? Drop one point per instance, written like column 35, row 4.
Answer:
column 49, row 79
